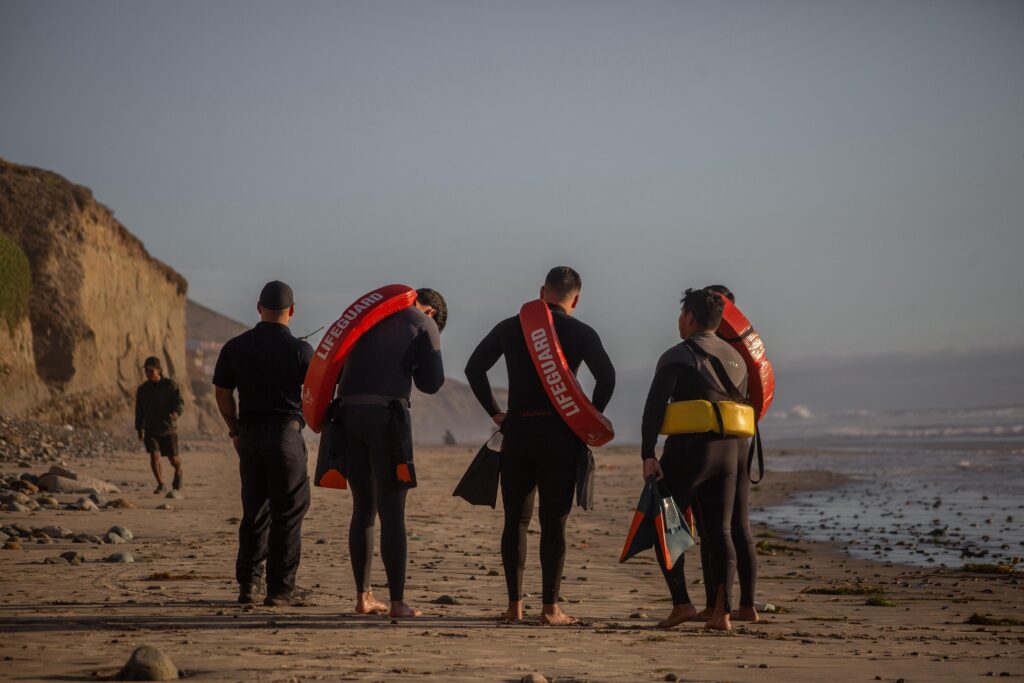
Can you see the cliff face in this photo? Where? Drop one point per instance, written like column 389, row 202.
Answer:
column 99, row 303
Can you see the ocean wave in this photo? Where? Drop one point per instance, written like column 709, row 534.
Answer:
column 929, row 432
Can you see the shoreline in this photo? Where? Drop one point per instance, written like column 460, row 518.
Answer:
column 70, row 621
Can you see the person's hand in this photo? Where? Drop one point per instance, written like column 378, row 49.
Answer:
column 234, row 442
column 499, row 418
column 652, row 467
column 173, row 416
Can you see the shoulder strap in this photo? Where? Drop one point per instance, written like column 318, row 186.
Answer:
column 719, row 370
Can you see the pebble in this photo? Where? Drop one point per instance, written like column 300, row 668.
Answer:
column 148, row 663
column 119, row 558
column 12, row 545
column 55, row 560
column 113, row 538
column 445, row 600
column 73, row 557
column 533, row 678
column 54, row 531
column 15, row 506
column 47, row 501
column 638, row 615
column 165, row 506
column 671, row 677
column 121, row 531
column 121, row 504
column 86, row 538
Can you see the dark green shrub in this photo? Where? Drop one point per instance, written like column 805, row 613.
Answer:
column 15, row 282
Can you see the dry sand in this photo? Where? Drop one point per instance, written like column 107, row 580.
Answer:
column 80, row 622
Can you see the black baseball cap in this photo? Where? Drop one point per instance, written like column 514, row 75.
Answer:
column 152, row 362
column 276, row 296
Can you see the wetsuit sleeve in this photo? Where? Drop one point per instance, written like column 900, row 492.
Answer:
column 138, row 409
column 223, row 373
column 658, row 395
column 428, row 372
column 601, row 367
column 483, row 358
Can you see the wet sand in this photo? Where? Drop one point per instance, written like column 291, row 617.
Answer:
column 79, row 622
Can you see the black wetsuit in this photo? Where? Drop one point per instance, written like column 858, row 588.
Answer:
column 382, row 366
column 742, row 537
column 698, row 466
column 539, row 452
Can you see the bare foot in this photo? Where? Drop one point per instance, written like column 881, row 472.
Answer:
column 746, row 614
column 401, row 610
column 554, row 616
column 367, row 604
column 678, row 615
column 514, row 613
column 719, row 622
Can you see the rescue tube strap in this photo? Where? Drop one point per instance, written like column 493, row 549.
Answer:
column 755, row 441
column 718, row 418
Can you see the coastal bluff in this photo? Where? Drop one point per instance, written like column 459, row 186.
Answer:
column 93, row 306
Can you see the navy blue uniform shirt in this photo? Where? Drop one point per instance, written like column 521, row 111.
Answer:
column 267, row 365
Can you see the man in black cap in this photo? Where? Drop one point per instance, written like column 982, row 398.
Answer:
column 158, row 404
column 267, row 366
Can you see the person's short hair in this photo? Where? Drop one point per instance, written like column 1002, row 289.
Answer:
column 563, row 280
column 724, row 291
column 432, row 298
column 276, row 296
column 706, row 307
column 152, row 362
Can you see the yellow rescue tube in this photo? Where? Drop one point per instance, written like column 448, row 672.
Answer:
column 697, row 417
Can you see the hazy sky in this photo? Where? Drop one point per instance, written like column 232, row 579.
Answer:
column 854, row 170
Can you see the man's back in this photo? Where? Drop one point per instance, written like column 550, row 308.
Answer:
column 579, row 342
column 402, row 348
column 267, row 365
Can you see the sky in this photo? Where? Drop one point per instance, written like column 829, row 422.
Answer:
column 854, row 171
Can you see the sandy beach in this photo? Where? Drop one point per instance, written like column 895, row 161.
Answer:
column 80, row 622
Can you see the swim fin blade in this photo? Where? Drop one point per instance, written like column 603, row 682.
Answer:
column 658, row 523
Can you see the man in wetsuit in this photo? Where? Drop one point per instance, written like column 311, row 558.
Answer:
column 698, row 466
column 268, row 365
column 539, row 452
column 372, row 410
column 158, row 404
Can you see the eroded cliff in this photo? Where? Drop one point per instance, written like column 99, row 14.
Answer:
column 99, row 304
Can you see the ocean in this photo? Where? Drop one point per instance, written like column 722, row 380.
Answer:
column 927, row 488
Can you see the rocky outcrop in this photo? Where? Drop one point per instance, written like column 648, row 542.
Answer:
column 99, row 303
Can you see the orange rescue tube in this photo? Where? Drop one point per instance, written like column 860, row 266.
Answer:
column 333, row 349
column 565, row 393
column 741, row 335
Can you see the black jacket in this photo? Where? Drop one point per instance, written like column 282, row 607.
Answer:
column 154, row 403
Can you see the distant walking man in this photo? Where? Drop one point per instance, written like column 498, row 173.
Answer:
column 372, row 409
column 540, row 452
column 267, row 366
column 158, row 405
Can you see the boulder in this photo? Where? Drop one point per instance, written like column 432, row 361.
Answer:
column 121, row 531
column 119, row 558
column 55, row 483
column 148, row 663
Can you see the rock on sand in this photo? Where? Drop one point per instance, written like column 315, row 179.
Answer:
column 148, row 664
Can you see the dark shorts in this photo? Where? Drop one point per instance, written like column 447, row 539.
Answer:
column 167, row 444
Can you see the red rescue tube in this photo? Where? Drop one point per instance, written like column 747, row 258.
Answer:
column 330, row 354
column 565, row 393
column 741, row 335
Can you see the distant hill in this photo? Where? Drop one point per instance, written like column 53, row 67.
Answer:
column 207, row 325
